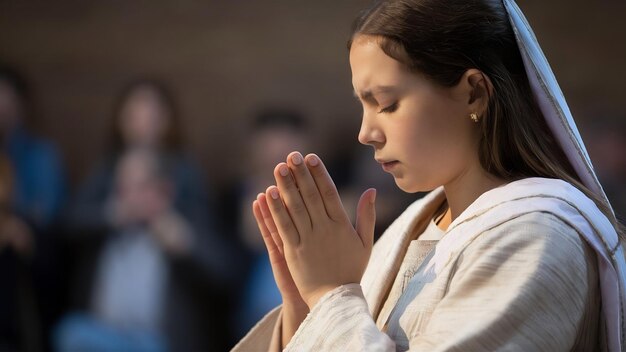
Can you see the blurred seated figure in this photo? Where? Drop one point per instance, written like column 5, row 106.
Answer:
column 274, row 132
column 32, row 189
column 141, row 227
column 145, row 117
column 129, row 287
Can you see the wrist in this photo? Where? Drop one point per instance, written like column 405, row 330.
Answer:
column 295, row 307
column 314, row 297
column 293, row 314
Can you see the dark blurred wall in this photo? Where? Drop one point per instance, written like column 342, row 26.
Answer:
column 224, row 58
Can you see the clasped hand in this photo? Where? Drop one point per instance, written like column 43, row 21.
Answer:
column 312, row 244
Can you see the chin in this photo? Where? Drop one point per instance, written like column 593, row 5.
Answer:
column 411, row 186
column 407, row 186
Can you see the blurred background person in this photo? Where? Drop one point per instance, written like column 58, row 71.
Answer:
column 32, row 191
column 131, row 274
column 606, row 139
column 39, row 184
column 273, row 132
column 197, row 259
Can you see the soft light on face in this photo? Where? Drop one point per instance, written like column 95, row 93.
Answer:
column 419, row 130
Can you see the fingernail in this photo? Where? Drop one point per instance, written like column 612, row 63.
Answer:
column 296, row 159
column 283, row 170
column 373, row 199
column 274, row 193
column 313, row 161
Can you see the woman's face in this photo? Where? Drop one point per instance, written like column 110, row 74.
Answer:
column 420, row 131
column 143, row 119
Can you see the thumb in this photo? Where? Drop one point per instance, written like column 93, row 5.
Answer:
column 366, row 217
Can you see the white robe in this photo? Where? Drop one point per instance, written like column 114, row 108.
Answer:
column 517, row 271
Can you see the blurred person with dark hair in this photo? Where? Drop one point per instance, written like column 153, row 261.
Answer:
column 32, row 192
column 274, row 131
column 197, row 259
column 39, row 177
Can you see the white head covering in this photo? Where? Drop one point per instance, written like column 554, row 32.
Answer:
column 559, row 118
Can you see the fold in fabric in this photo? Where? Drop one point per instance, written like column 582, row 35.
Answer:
column 555, row 110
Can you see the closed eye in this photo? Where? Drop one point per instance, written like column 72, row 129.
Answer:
column 389, row 109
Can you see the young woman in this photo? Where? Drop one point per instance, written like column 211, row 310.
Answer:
column 516, row 247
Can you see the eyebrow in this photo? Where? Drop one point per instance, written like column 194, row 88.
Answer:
column 366, row 94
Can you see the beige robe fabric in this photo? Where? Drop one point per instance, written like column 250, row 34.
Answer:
column 527, row 284
column 417, row 255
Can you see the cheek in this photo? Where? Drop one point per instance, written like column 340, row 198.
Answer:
column 435, row 146
column 426, row 131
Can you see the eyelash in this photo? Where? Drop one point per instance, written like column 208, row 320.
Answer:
column 389, row 109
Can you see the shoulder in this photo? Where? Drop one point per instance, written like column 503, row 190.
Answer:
column 542, row 218
column 38, row 148
column 532, row 227
column 35, row 155
column 535, row 247
column 523, row 282
column 537, row 194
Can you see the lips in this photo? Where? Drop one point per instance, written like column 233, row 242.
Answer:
column 387, row 164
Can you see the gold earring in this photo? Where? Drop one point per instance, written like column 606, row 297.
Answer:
column 474, row 117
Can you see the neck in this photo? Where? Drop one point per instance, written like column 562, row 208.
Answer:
column 463, row 190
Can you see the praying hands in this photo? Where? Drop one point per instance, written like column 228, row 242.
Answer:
column 312, row 244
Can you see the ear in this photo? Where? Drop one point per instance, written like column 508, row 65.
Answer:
column 479, row 90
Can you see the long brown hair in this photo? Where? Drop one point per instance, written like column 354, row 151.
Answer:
column 442, row 39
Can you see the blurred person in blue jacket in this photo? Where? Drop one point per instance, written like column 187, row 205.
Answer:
column 33, row 194
column 39, row 185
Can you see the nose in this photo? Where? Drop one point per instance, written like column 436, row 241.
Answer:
column 370, row 133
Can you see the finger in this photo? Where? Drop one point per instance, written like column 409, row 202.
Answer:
column 308, row 189
column 291, row 197
column 366, row 217
column 326, row 187
column 271, row 246
column 266, row 217
column 286, row 228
